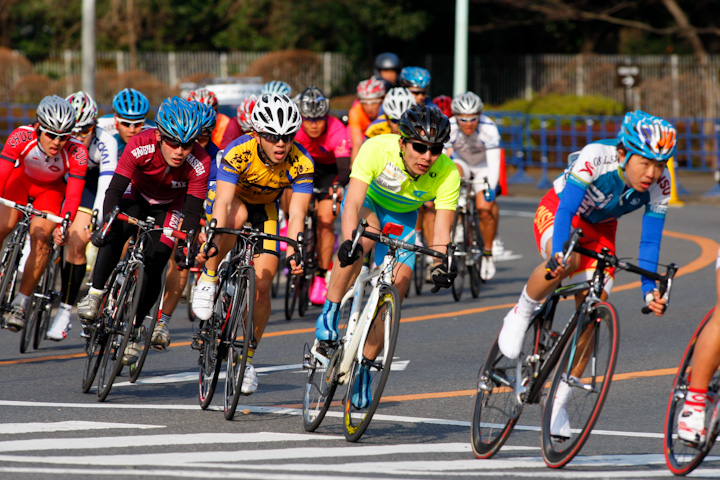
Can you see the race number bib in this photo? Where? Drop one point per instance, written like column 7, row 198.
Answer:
column 391, row 178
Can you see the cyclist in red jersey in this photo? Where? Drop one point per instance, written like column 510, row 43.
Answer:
column 44, row 153
column 364, row 111
column 166, row 171
column 326, row 140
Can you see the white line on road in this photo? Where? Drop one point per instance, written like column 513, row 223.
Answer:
column 10, row 428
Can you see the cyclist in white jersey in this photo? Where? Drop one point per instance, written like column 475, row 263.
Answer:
column 102, row 161
column 474, row 144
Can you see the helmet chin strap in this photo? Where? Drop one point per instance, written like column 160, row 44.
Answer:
column 265, row 157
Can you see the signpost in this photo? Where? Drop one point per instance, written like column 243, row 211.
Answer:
column 628, row 76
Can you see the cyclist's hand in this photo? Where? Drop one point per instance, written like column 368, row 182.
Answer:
column 183, row 258
column 656, row 303
column 294, row 267
column 347, row 257
column 59, row 236
column 97, row 238
column 205, row 251
column 441, row 278
column 553, row 267
column 489, row 194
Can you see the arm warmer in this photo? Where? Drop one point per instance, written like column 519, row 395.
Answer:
column 572, row 197
column 114, row 192
column 652, row 230
column 192, row 212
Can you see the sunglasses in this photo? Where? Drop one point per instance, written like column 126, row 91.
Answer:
column 468, row 119
column 53, row 135
column 84, row 132
column 418, row 92
column 394, row 120
column 272, row 138
column 421, row 148
column 314, row 120
column 131, row 123
column 371, row 102
column 174, row 144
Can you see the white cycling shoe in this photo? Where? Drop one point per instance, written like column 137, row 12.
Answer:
column 513, row 331
column 204, row 299
column 691, row 425
column 250, row 380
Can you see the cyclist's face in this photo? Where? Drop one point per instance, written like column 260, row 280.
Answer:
column 276, row 151
column 314, row 127
column 641, row 173
column 51, row 144
column 394, row 126
column 128, row 128
column 467, row 123
column 417, row 163
column 371, row 108
column 173, row 153
column 389, row 75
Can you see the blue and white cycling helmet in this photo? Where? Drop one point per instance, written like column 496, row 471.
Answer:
column 131, row 104
column 178, row 120
column 648, row 136
column 208, row 116
column 276, row 86
column 414, row 77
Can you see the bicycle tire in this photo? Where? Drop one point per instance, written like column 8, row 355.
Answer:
column 292, row 289
column 144, row 340
column 33, row 313
column 304, row 293
column 96, row 342
column 52, row 293
column 121, row 329
column 211, row 350
column 9, row 271
column 243, row 326
column 601, row 333
column 476, row 246
column 322, row 380
column 275, row 286
column 459, row 282
column 190, row 289
column 681, row 457
column 497, row 408
column 357, row 417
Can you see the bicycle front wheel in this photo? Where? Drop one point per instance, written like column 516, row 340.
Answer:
column 461, row 252
column 52, row 292
column 211, row 346
column 368, row 376
column 580, row 386
column 292, row 290
column 304, row 293
column 475, row 252
column 240, row 336
column 682, row 457
column 34, row 313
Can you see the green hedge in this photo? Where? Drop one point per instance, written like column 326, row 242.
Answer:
column 555, row 104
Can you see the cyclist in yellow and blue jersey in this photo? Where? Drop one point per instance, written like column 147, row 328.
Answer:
column 251, row 177
column 396, row 102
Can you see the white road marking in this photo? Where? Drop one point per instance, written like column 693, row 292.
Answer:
column 517, row 213
column 10, row 428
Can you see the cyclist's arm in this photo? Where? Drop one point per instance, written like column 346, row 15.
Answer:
column 492, row 157
column 296, row 223
column 354, row 198
column 10, row 153
column 570, row 201
column 76, row 177
column 114, row 192
column 108, row 149
column 441, row 233
column 650, row 238
column 224, row 194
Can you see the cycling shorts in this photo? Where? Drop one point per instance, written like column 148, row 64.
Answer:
column 595, row 236
column 407, row 220
column 325, row 176
column 48, row 197
column 479, row 174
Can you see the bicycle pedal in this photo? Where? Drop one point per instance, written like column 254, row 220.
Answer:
column 320, row 355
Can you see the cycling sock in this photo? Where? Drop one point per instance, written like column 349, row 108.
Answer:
column 165, row 317
column 20, row 299
column 208, row 276
column 251, row 352
column 95, row 291
column 66, row 306
column 486, row 252
column 696, row 399
column 72, row 279
column 321, row 273
column 527, row 305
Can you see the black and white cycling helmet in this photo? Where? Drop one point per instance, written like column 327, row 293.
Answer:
column 396, row 101
column 467, row 103
column 85, row 110
column 425, row 124
column 313, row 103
column 276, row 114
column 56, row 115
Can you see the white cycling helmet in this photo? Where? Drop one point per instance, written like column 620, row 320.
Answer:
column 467, row 104
column 85, row 108
column 276, row 114
column 396, row 101
column 56, row 115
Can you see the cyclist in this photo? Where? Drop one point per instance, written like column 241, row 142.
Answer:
column 44, row 153
column 244, row 113
column 474, row 144
column 444, row 103
column 102, row 160
column 166, row 171
column 608, row 179
column 370, row 94
column 326, row 140
column 705, row 361
column 130, row 107
column 417, row 80
column 387, row 69
column 224, row 128
column 396, row 102
column 393, row 175
column 176, row 278
column 252, row 174
column 278, row 87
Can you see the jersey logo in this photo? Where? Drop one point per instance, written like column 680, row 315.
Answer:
column 176, row 184
column 196, row 165
column 588, row 168
column 143, row 150
column 419, row 193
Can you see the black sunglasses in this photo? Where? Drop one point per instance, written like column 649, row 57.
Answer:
column 394, row 120
column 128, row 124
column 174, row 144
column 272, row 138
column 421, row 148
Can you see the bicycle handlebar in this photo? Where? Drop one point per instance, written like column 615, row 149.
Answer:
column 147, row 224
column 31, row 211
column 397, row 243
column 256, row 235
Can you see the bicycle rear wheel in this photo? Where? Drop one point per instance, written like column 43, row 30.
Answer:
column 292, row 291
column 52, row 293
column 475, row 251
column 306, row 281
column 9, row 271
column 120, row 331
column 368, row 377
column 321, row 380
column 239, row 337
column 144, row 335
column 34, row 313
column 580, row 385
column 458, row 284
column 500, row 397
column 96, row 342
column 211, row 346
column 680, row 456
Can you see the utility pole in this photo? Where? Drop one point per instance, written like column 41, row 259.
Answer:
column 462, row 13
column 88, row 47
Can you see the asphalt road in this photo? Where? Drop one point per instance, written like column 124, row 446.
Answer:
column 155, row 428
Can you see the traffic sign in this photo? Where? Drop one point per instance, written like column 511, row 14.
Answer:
column 628, row 76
